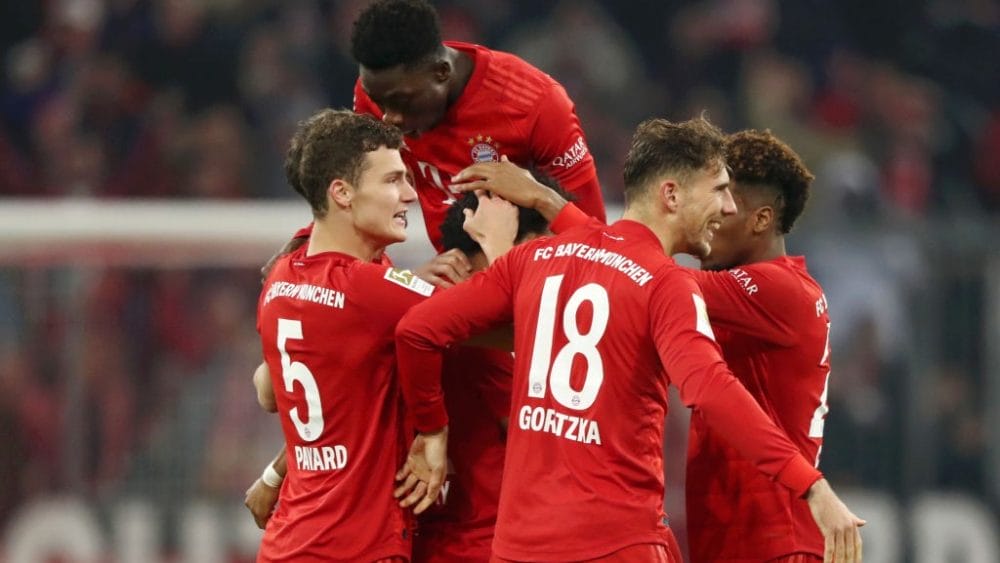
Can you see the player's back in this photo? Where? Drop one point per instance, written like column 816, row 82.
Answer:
column 584, row 453
column 772, row 323
column 326, row 324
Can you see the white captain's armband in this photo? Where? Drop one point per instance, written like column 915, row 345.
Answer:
column 410, row 281
column 703, row 326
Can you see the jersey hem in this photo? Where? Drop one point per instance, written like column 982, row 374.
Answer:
column 515, row 554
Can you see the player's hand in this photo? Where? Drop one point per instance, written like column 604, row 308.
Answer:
column 840, row 527
column 290, row 246
column 493, row 224
column 511, row 182
column 260, row 500
column 424, row 472
column 445, row 269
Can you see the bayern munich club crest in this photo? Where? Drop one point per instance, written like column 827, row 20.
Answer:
column 484, row 149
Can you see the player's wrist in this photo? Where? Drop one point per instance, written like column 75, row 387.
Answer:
column 443, row 431
column 549, row 203
column 271, row 477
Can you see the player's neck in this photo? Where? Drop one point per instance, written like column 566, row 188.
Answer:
column 659, row 223
column 775, row 249
column 342, row 237
column 463, row 66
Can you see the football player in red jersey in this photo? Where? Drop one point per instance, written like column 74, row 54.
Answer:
column 459, row 103
column 326, row 317
column 772, row 322
column 605, row 320
column 459, row 526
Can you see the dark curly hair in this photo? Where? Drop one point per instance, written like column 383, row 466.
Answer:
column 529, row 221
column 760, row 159
column 394, row 32
column 660, row 147
column 330, row 145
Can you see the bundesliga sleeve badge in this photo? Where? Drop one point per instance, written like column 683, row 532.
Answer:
column 409, row 280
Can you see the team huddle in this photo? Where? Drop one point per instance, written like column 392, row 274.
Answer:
column 506, row 401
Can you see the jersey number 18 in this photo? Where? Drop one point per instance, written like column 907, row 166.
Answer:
column 541, row 374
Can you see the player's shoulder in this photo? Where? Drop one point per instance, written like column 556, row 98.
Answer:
column 521, row 87
column 668, row 273
column 380, row 278
column 786, row 276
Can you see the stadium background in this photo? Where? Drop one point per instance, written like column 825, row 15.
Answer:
column 140, row 152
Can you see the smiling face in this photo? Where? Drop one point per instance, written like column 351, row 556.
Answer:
column 413, row 98
column 735, row 241
column 380, row 200
column 705, row 202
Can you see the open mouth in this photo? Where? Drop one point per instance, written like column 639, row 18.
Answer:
column 400, row 219
column 712, row 227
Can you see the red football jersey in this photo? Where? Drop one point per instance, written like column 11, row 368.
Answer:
column 459, row 527
column 604, row 321
column 774, row 330
column 326, row 323
column 507, row 108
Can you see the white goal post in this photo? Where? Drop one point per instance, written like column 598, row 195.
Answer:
column 163, row 233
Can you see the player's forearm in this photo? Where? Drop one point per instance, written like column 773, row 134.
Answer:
column 419, row 365
column 274, row 473
column 588, row 197
column 279, row 463
column 549, row 203
column 732, row 413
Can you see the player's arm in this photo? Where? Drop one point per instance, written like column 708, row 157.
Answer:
column 422, row 336
column 559, row 149
column 265, row 391
column 751, row 300
column 512, row 183
column 263, row 494
column 693, row 361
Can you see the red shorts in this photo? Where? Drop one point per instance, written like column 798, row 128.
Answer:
column 796, row 558
column 393, row 559
column 638, row 553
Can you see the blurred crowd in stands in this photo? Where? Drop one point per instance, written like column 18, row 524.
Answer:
column 895, row 105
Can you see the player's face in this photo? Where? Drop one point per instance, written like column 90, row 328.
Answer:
column 382, row 197
column 730, row 245
column 411, row 99
column 706, row 202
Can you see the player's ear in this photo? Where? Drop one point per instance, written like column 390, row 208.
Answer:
column 340, row 192
column 442, row 70
column 668, row 193
column 763, row 219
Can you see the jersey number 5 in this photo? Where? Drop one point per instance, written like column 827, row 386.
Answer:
column 541, row 374
column 292, row 372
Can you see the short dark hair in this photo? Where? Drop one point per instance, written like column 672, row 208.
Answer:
column 529, row 221
column 661, row 147
column 760, row 159
column 332, row 144
column 395, row 32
